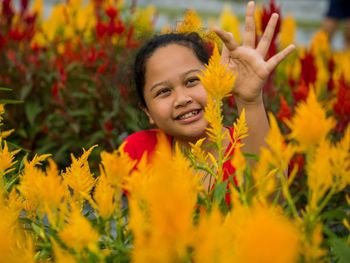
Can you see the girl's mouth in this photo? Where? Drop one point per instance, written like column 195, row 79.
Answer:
column 188, row 115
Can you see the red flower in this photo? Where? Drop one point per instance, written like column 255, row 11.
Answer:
column 30, row 19
column 101, row 29
column 130, row 42
column 342, row 105
column 24, row 5
column 301, row 93
column 7, row 10
column 111, row 12
column 285, row 111
column 2, row 41
column 102, row 69
column 308, row 68
column 108, row 125
column 299, row 161
column 54, row 90
column 123, row 90
column 16, row 35
column 265, row 17
column 231, row 101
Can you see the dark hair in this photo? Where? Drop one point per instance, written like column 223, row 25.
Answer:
column 190, row 40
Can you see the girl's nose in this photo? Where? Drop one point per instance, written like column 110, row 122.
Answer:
column 182, row 99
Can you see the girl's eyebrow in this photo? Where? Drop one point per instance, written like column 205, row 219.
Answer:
column 182, row 75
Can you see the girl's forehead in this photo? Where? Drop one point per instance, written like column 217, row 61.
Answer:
column 171, row 60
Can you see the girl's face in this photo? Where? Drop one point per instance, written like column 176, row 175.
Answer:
column 174, row 96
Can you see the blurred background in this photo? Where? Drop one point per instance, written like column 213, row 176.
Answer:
column 68, row 65
column 308, row 13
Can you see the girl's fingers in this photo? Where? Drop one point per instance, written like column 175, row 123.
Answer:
column 225, row 55
column 249, row 32
column 265, row 40
column 227, row 38
column 276, row 59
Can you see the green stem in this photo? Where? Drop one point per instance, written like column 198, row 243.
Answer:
column 325, row 200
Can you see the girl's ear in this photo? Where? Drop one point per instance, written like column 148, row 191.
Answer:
column 150, row 119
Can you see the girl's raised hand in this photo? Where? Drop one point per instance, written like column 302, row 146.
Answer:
column 248, row 60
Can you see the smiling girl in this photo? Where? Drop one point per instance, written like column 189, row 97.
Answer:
column 171, row 94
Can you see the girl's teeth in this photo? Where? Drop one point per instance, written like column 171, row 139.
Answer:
column 187, row 115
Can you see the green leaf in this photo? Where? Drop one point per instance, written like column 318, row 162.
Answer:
column 220, row 191
column 341, row 250
column 5, row 101
column 32, row 110
column 5, row 89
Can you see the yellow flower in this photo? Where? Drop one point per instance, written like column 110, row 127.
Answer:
column 240, row 130
column 78, row 176
column 288, row 29
column 144, row 19
column 117, row 166
column 230, row 23
column 162, row 200
column 340, row 160
column 61, row 255
column 281, row 152
column 312, row 249
column 257, row 19
column 15, row 246
column 78, row 232
column 2, row 111
column 319, row 173
column 214, row 117
column 239, row 162
column 43, row 190
column 310, row 125
column 268, row 233
column 217, row 79
column 6, row 158
column 212, row 241
column 38, row 8
column 320, row 44
column 105, row 196
column 191, row 23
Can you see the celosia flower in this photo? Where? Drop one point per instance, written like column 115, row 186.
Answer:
column 340, row 161
column 105, row 196
column 212, row 239
column 308, row 68
column 240, row 131
column 78, row 176
column 230, row 23
column 6, row 158
column 300, row 94
column 217, row 79
column 239, row 162
column 281, row 151
column 285, row 111
column 42, row 190
column 78, row 232
column 320, row 44
column 117, row 166
column 266, row 231
column 61, row 255
column 310, row 125
column 15, row 246
column 319, row 173
column 190, row 23
column 288, row 30
column 162, row 229
column 144, row 19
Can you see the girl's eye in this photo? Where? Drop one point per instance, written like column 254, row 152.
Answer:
column 192, row 82
column 163, row 92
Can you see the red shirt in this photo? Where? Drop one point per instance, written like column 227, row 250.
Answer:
column 145, row 141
